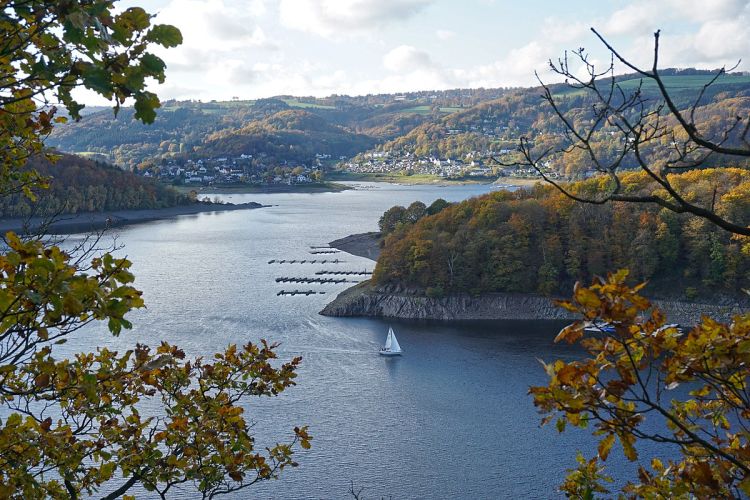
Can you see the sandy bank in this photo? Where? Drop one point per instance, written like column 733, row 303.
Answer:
column 91, row 221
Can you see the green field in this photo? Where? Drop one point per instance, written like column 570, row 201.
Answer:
column 211, row 107
column 221, row 106
column 685, row 82
column 299, row 104
column 673, row 83
column 426, row 110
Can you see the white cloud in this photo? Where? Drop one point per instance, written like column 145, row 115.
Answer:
column 407, row 58
column 706, row 10
column 515, row 69
column 636, row 18
column 220, row 37
column 215, row 24
column 244, row 47
column 445, row 34
column 724, row 38
column 330, row 18
column 716, row 35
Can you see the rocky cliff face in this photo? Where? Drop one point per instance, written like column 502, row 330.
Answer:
column 366, row 300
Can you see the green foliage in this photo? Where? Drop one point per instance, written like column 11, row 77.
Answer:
column 629, row 374
column 414, row 212
column 195, row 431
column 48, row 49
column 290, row 135
column 392, row 219
column 541, row 241
column 437, row 206
column 79, row 185
column 398, row 217
column 585, row 480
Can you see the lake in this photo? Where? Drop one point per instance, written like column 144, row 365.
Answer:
column 451, row 418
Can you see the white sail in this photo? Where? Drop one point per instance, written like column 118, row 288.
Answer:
column 391, row 347
column 394, row 347
column 389, row 340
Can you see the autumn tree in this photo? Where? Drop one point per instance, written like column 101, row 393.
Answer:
column 391, row 219
column 644, row 379
column 414, row 212
column 70, row 426
column 540, row 241
column 437, row 206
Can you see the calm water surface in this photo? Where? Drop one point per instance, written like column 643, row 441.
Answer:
column 449, row 419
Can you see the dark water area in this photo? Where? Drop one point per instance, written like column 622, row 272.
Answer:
column 450, row 418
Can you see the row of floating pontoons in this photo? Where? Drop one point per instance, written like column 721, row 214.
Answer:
column 316, row 250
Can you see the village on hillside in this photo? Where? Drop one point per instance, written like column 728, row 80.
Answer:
column 474, row 165
column 238, row 171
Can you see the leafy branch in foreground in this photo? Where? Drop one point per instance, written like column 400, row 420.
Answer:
column 631, row 376
column 75, row 423
column 49, row 48
column 104, row 420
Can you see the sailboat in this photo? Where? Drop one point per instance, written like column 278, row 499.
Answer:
column 391, row 347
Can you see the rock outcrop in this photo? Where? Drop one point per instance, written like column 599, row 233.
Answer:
column 362, row 245
column 394, row 302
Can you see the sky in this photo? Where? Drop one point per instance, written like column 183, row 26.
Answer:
column 260, row 48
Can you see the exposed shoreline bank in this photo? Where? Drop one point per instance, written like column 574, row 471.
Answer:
column 365, row 299
column 431, row 180
column 365, row 245
column 92, row 221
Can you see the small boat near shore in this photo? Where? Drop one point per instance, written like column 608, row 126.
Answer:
column 609, row 328
column 391, row 347
column 599, row 327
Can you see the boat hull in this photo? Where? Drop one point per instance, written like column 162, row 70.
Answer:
column 389, row 353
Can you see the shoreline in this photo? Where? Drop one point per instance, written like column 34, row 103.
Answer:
column 432, row 180
column 365, row 245
column 366, row 300
column 93, row 221
column 324, row 187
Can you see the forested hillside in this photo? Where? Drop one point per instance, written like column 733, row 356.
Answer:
column 182, row 128
column 540, row 241
column 286, row 136
column 80, row 185
column 494, row 127
column 383, row 133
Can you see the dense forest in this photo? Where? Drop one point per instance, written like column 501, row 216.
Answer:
column 286, row 136
column 80, row 185
column 540, row 241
